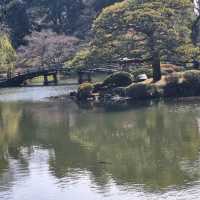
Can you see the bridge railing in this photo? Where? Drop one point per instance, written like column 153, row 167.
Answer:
column 36, row 70
column 4, row 76
column 56, row 68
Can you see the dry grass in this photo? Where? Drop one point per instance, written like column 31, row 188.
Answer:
column 179, row 84
column 166, row 79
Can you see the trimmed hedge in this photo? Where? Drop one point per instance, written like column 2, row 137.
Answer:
column 118, row 79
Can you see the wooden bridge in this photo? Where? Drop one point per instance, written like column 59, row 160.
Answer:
column 20, row 78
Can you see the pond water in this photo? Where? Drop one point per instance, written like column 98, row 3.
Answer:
column 56, row 150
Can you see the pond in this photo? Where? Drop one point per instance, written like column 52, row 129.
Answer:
column 55, row 150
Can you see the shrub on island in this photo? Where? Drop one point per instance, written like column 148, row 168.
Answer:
column 174, row 86
column 85, row 91
column 166, row 69
column 142, row 70
column 182, row 84
column 192, row 77
column 118, row 79
column 143, row 91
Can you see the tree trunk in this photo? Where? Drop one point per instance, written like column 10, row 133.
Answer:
column 195, row 31
column 156, row 67
column 155, row 54
column 195, row 36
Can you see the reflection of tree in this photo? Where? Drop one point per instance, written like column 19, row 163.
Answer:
column 10, row 118
column 9, row 124
column 9, row 121
column 145, row 146
column 152, row 146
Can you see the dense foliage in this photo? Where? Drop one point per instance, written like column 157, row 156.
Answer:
column 69, row 17
column 150, row 30
column 156, row 31
column 62, row 22
column 118, row 79
column 14, row 15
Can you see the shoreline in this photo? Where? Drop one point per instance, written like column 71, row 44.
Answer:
column 180, row 86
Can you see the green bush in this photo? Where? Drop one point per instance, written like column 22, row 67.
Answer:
column 143, row 70
column 192, row 77
column 182, row 85
column 192, row 82
column 143, row 91
column 85, row 91
column 118, row 79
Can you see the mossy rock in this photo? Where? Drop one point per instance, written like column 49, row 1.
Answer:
column 85, row 91
column 118, row 79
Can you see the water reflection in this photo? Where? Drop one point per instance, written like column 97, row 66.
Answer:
column 146, row 146
column 156, row 147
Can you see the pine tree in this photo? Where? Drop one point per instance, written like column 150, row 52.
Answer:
column 159, row 29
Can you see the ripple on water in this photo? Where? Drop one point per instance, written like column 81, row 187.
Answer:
column 53, row 152
column 33, row 93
